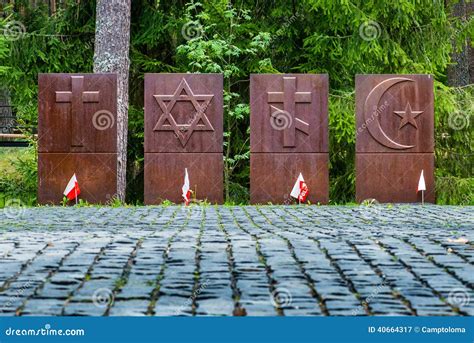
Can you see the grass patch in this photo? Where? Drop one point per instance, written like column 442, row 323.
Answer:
column 8, row 156
column 18, row 175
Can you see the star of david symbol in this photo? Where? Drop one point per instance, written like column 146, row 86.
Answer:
column 199, row 122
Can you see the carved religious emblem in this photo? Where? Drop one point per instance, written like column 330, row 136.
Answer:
column 199, row 120
column 371, row 114
column 289, row 98
column 408, row 116
column 77, row 97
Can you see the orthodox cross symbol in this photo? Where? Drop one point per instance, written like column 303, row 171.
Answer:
column 289, row 97
column 408, row 116
column 77, row 97
column 199, row 121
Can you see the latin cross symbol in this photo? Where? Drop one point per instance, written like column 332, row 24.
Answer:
column 77, row 97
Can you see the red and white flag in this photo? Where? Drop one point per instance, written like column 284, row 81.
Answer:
column 300, row 190
column 421, row 183
column 186, row 190
column 72, row 190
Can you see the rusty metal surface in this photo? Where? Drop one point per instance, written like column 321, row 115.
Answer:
column 393, row 177
column 394, row 137
column 164, row 176
column 77, row 133
column 77, row 113
column 183, row 113
column 289, row 113
column 272, row 176
column 395, row 113
column 96, row 175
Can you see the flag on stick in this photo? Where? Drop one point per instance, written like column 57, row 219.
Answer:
column 422, row 187
column 186, row 190
column 300, row 190
column 72, row 190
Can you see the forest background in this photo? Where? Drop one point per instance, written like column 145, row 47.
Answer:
column 339, row 37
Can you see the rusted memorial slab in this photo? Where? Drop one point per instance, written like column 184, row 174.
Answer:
column 77, row 134
column 288, row 136
column 183, row 129
column 394, row 137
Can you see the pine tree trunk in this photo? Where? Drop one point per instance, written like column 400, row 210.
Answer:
column 52, row 7
column 112, row 43
column 469, row 14
column 458, row 72
column 471, row 65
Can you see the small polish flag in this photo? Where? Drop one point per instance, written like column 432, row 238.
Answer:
column 421, row 183
column 72, row 189
column 185, row 189
column 300, row 190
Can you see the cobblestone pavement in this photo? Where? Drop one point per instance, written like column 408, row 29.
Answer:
column 259, row 261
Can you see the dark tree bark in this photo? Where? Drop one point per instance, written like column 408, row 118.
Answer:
column 458, row 72
column 52, row 7
column 112, row 44
column 469, row 14
column 471, row 65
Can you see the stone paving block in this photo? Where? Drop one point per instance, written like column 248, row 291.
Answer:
column 55, row 292
column 173, row 306
column 135, row 308
column 83, row 309
column 259, row 306
column 43, row 307
column 215, row 307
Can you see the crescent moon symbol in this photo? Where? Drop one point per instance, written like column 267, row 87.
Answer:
column 373, row 125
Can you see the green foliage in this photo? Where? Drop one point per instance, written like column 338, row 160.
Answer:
column 83, row 203
column 50, row 44
column 224, row 45
column 167, row 203
column 338, row 37
column 451, row 190
column 115, row 202
column 347, row 38
column 454, row 151
column 4, row 49
column 135, row 155
column 19, row 181
column 342, row 146
column 454, row 123
column 64, row 202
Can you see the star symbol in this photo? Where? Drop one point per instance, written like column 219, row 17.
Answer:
column 408, row 116
column 199, row 122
